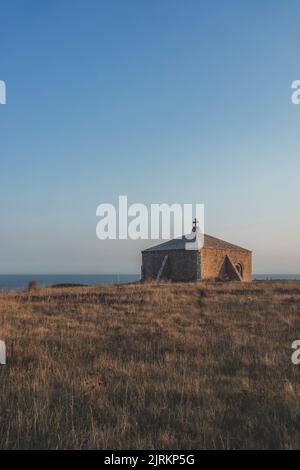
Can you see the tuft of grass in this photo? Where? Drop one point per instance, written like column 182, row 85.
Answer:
column 156, row 366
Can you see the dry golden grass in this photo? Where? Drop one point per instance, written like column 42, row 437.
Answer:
column 153, row 366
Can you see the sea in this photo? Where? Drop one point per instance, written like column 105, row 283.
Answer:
column 20, row 281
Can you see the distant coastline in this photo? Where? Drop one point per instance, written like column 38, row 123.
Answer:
column 276, row 277
column 20, row 281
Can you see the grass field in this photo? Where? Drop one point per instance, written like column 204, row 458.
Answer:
column 155, row 366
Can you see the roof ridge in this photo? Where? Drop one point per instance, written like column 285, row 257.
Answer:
column 179, row 244
column 227, row 243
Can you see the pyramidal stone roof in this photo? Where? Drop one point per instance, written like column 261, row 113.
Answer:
column 180, row 242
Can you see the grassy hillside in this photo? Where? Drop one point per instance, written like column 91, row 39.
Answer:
column 151, row 366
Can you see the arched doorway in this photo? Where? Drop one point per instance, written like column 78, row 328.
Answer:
column 239, row 268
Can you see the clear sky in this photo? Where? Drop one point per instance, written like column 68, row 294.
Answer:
column 163, row 101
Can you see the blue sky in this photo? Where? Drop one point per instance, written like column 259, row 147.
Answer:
column 167, row 101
